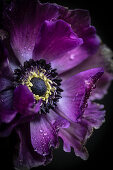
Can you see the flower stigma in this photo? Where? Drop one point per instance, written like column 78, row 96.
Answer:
column 40, row 85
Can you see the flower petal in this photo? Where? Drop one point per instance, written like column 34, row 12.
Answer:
column 103, row 58
column 23, row 99
column 5, row 84
column 43, row 136
column 57, row 121
column 70, row 59
column 77, row 90
column 51, row 33
column 7, row 113
column 80, row 23
column 27, row 157
column 77, row 134
column 44, row 132
column 24, row 23
column 74, row 137
column 94, row 115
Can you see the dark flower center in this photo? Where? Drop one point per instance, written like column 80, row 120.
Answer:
column 42, row 81
column 39, row 87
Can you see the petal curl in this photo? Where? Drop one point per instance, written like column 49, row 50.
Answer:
column 80, row 22
column 77, row 90
column 77, row 134
column 55, row 39
column 103, row 58
column 94, row 115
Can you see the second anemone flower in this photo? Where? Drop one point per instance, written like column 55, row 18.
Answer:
column 50, row 62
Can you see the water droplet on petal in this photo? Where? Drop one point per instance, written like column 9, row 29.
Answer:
column 86, row 105
column 72, row 56
column 94, row 86
column 41, row 130
column 2, row 100
column 72, row 36
column 44, row 154
column 45, row 133
column 35, row 150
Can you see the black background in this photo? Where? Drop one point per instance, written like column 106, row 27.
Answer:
column 100, row 144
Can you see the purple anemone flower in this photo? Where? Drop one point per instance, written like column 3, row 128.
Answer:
column 52, row 68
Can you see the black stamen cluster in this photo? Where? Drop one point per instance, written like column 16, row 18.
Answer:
column 22, row 72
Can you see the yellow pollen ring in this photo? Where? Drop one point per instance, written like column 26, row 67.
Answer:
column 48, row 84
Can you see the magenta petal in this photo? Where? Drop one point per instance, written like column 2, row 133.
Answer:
column 80, row 22
column 77, row 90
column 78, row 132
column 57, row 121
column 74, row 137
column 5, row 84
column 23, row 99
column 94, row 115
column 24, row 23
column 54, row 40
column 27, row 157
column 70, row 59
column 44, row 132
column 6, row 116
column 43, row 136
column 7, row 113
column 103, row 58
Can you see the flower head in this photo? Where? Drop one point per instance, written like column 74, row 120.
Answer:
column 52, row 67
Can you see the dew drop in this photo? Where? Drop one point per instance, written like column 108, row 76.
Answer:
column 10, row 9
column 94, row 86
column 35, row 150
column 2, row 100
column 41, row 130
column 44, row 154
column 20, row 161
column 45, row 134
column 72, row 56
column 86, row 105
column 74, row 99
column 72, row 36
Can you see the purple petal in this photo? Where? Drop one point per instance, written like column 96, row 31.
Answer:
column 24, row 24
column 80, row 23
column 57, row 121
column 6, row 116
column 77, row 134
column 7, row 54
column 7, row 113
column 27, row 157
column 5, row 84
column 44, row 132
column 94, row 115
column 103, row 58
column 51, row 33
column 74, row 137
column 23, row 99
column 43, row 136
column 77, row 90
column 5, row 70
column 70, row 59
